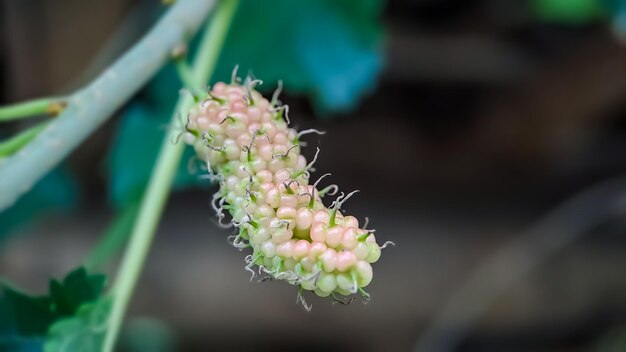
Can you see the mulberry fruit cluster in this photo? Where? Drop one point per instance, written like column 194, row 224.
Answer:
column 264, row 185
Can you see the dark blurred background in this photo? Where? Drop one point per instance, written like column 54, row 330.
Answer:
column 487, row 115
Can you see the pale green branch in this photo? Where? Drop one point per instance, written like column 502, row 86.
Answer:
column 163, row 174
column 89, row 107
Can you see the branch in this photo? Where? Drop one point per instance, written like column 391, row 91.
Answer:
column 158, row 188
column 18, row 141
column 52, row 106
column 497, row 274
column 89, row 107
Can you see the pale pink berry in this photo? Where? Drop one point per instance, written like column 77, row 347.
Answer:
column 333, row 236
column 265, row 188
column 318, row 232
column 269, row 128
column 329, row 260
column 253, row 129
column 258, row 164
column 348, row 238
column 243, row 141
column 232, row 150
column 285, row 249
column 276, row 165
column 286, row 212
column 273, row 198
column 234, row 130
column 203, row 123
column 301, row 164
column 345, row 259
column 281, row 176
column 266, row 152
column 321, row 216
column 281, row 235
column 301, row 249
column 239, row 106
column 317, row 248
column 254, row 113
column 304, row 218
column 289, row 200
column 350, row 221
column 264, row 176
column 265, row 211
column 280, row 138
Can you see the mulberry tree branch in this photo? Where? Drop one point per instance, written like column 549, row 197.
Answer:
column 90, row 106
column 162, row 176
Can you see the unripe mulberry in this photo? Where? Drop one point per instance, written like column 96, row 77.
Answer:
column 264, row 185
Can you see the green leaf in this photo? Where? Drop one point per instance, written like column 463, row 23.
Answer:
column 25, row 320
column 21, row 345
column 572, row 12
column 57, row 191
column 24, row 315
column 77, row 288
column 135, row 149
column 330, row 50
column 83, row 332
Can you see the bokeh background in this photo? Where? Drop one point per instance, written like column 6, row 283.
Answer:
column 471, row 127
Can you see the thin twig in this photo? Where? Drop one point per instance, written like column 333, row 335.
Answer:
column 562, row 226
column 15, row 143
column 30, row 108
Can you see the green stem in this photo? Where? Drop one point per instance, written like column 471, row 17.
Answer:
column 185, row 75
column 114, row 237
column 31, row 108
column 15, row 143
column 162, row 176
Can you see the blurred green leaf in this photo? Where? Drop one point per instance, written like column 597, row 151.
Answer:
column 24, row 315
column 83, row 332
column 22, row 345
column 57, row 191
column 135, row 149
column 25, row 320
column 330, row 50
column 77, row 288
column 614, row 6
column 572, row 12
column 617, row 9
